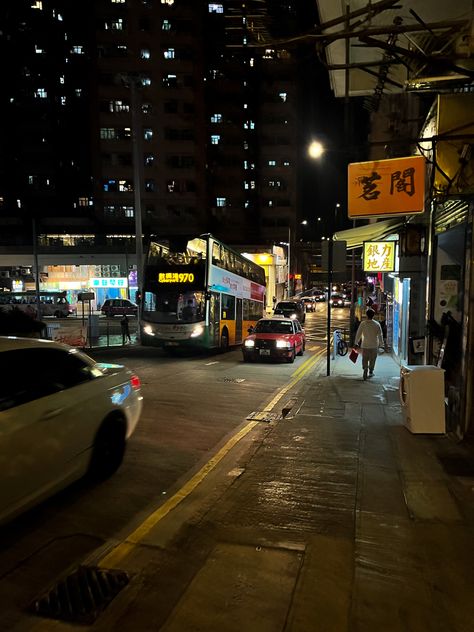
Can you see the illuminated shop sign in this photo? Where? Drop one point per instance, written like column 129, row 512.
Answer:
column 175, row 277
column 379, row 256
column 386, row 187
column 117, row 282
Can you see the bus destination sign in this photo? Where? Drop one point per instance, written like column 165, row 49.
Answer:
column 175, row 277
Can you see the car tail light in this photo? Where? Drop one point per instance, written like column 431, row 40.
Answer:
column 135, row 382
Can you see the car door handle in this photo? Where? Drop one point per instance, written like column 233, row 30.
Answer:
column 50, row 414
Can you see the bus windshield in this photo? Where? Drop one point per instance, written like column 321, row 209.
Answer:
column 173, row 306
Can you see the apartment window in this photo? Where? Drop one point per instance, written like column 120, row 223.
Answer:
column 40, row 93
column 249, row 125
column 272, row 163
column 149, row 185
column 84, row 201
column 148, row 133
column 215, row 138
column 39, row 49
column 128, row 211
column 117, row 105
column 78, row 92
column 107, row 133
column 114, row 24
column 62, row 100
column 77, row 50
column 166, row 25
column 144, row 24
column 283, row 96
column 215, row 7
column 147, row 108
column 117, row 1
column 146, row 81
column 216, row 118
column 149, row 160
column 221, row 202
column 125, row 186
column 171, row 186
column 169, row 53
column 37, row 5
column 171, row 107
column 170, row 81
column 286, row 163
column 110, row 186
column 168, row 2
column 145, row 53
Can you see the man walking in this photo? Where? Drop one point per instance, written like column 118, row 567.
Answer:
column 125, row 329
column 370, row 333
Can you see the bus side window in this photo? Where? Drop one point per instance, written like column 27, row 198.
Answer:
column 227, row 307
column 216, row 254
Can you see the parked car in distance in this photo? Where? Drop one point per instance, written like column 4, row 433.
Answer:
column 319, row 296
column 62, row 415
column 118, row 307
column 337, row 300
column 275, row 338
column 309, row 303
column 291, row 309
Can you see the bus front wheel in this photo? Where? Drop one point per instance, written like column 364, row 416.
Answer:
column 224, row 341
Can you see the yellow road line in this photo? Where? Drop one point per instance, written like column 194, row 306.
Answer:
column 119, row 552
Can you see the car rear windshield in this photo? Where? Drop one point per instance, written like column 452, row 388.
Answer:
column 273, row 327
column 287, row 305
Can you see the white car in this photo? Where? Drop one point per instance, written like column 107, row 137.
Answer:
column 62, row 415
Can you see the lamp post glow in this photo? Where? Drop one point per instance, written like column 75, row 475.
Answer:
column 316, row 149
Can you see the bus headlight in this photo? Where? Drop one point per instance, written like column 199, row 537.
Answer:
column 282, row 344
column 249, row 343
column 148, row 329
column 197, row 331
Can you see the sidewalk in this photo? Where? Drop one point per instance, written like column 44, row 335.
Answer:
column 337, row 519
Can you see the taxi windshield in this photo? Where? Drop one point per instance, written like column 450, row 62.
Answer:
column 274, row 327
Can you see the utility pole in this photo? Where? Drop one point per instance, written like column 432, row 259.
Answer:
column 328, row 329
column 137, row 134
column 289, row 262
column 37, row 272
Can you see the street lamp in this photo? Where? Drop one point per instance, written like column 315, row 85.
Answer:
column 316, row 149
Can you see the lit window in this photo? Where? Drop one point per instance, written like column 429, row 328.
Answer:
column 216, row 118
column 247, row 204
column 37, row 5
column 149, row 185
column 147, row 108
column 39, row 49
column 252, row 62
column 169, row 53
column 149, row 160
column 60, row 17
column 286, row 163
column 166, row 25
column 270, row 202
column 117, row 105
column 125, row 186
column 145, row 53
column 61, row 79
column 41, row 93
column 215, row 138
column 249, row 125
column 78, row 50
column 221, row 201
column 215, row 7
column 117, row 1
column 244, row 41
column 63, row 100
column 31, row 179
column 110, row 185
column 168, row 2
column 108, row 133
column 146, row 81
column 128, row 211
column 170, row 81
column 78, row 92
column 148, row 133
column 283, row 96
column 83, row 201
column 272, row 163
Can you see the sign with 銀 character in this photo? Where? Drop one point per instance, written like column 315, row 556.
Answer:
column 386, row 187
column 379, row 256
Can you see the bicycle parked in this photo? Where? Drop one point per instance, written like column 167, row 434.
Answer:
column 340, row 342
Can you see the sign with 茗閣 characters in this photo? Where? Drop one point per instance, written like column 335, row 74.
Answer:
column 386, row 187
column 379, row 256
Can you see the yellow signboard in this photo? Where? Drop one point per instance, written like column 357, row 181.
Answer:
column 386, row 187
column 379, row 256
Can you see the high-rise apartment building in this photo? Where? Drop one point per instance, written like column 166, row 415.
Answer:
column 190, row 101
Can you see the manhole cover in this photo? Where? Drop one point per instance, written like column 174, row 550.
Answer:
column 81, row 596
column 457, row 465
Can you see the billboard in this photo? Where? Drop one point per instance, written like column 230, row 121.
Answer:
column 379, row 256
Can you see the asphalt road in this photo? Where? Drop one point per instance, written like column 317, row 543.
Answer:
column 191, row 406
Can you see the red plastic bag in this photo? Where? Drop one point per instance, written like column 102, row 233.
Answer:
column 353, row 355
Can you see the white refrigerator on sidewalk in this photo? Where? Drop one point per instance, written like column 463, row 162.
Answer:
column 422, row 398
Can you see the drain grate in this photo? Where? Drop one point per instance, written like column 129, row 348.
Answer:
column 81, row 596
column 457, row 465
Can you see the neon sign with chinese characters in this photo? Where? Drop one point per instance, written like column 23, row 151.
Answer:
column 379, row 256
column 119, row 282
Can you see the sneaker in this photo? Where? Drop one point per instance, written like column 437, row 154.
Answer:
column 371, row 374
column 365, row 374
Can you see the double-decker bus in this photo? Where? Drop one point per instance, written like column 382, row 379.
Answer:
column 52, row 303
column 199, row 293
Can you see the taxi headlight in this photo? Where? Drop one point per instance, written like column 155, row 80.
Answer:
column 249, row 343
column 282, row 344
column 148, row 329
column 197, row 331
column 293, row 316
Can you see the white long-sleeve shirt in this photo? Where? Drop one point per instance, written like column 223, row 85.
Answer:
column 370, row 332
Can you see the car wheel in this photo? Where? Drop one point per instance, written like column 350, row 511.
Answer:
column 224, row 341
column 303, row 347
column 109, row 448
column 291, row 359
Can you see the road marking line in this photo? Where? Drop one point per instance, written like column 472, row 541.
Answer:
column 209, row 363
column 116, row 555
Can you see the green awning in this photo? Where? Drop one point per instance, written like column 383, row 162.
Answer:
column 355, row 237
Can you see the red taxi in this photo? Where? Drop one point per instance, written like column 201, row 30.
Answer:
column 274, row 338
